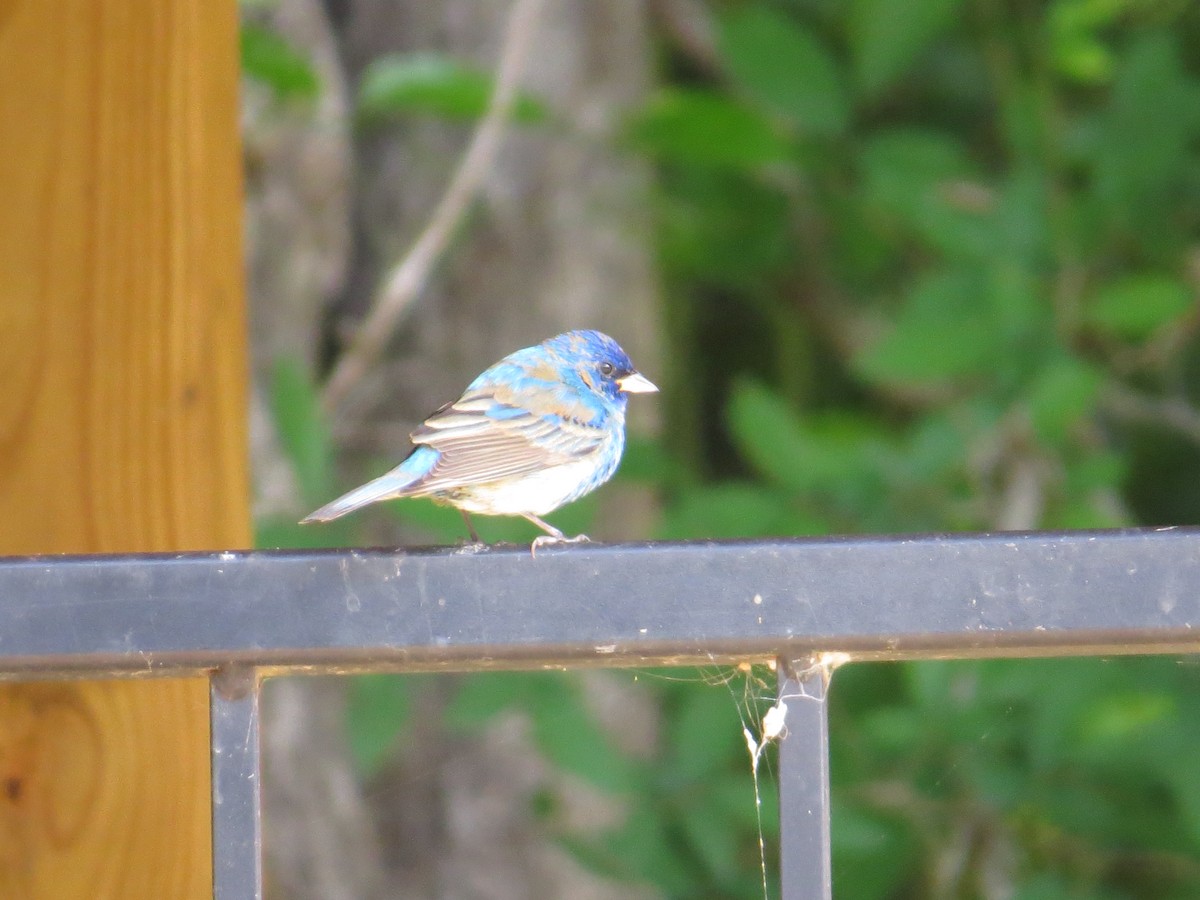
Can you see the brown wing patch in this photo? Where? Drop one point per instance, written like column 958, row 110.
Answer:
column 474, row 448
column 553, row 402
column 543, row 371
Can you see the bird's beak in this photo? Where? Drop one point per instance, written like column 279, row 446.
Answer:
column 636, row 383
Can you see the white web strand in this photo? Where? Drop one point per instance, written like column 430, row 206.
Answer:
column 774, row 725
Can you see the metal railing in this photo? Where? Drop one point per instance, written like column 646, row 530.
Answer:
column 239, row 617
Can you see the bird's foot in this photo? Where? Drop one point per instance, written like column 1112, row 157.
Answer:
column 546, row 540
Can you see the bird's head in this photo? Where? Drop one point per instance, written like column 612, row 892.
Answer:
column 600, row 363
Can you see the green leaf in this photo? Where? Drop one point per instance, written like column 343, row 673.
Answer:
column 944, row 331
column 903, row 168
column 839, row 458
column 712, row 839
column 479, row 697
column 706, row 733
column 894, row 731
column 1082, row 57
column 1080, row 32
column 938, row 685
column 433, row 85
column 644, row 848
column 1064, row 392
column 887, row 35
column 303, row 432
column 640, row 850
column 376, row 713
column 1183, row 778
column 571, row 739
column 706, row 129
column 1153, row 119
column 1022, row 232
column 1099, row 470
column 872, row 854
column 784, row 67
column 1124, row 716
column 563, row 730
column 924, row 181
column 647, row 460
column 934, row 450
column 284, row 531
column 735, row 511
column 726, row 227
column 442, row 523
column 269, row 59
column 769, row 434
column 1138, row 305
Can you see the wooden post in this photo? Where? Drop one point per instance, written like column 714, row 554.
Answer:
column 122, row 415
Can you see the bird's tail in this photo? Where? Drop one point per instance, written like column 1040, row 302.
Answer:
column 399, row 482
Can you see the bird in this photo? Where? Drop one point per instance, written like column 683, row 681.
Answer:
column 539, row 429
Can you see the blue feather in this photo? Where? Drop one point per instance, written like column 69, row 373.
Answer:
column 396, row 483
column 540, row 428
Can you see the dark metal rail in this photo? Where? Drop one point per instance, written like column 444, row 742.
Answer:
column 240, row 616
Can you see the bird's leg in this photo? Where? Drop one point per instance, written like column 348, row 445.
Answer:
column 552, row 535
column 470, row 527
column 550, row 530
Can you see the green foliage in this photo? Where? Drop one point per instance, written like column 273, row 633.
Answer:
column 1077, row 45
column 296, row 410
column 911, row 251
column 1044, row 777
column 1062, row 394
column 306, row 443
column 1147, row 134
column 269, row 59
column 1136, row 306
column 705, row 129
column 690, row 827
column 562, row 728
column 943, row 331
column 430, row 84
column 888, row 35
column 376, row 715
column 984, row 231
column 779, row 63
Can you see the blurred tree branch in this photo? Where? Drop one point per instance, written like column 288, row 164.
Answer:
column 403, row 284
column 1173, row 412
column 688, row 23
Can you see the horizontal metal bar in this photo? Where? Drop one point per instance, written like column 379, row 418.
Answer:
column 659, row 604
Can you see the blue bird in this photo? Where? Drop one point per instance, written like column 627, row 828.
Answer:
column 539, row 429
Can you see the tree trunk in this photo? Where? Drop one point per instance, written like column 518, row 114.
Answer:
column 557, row 241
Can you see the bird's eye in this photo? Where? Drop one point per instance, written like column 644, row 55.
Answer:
column 607, row 368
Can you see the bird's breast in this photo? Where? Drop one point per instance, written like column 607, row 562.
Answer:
column 541, row 492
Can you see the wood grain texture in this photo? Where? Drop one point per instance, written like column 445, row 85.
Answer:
column 122, row 414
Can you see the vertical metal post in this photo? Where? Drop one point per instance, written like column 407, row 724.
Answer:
column 236, row 806
column 804, row 842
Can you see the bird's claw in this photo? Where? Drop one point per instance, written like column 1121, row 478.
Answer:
column 546, row 540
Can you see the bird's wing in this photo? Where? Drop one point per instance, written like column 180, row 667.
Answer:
column 492, row 433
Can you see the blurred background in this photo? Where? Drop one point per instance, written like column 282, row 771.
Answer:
column 897, row 265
